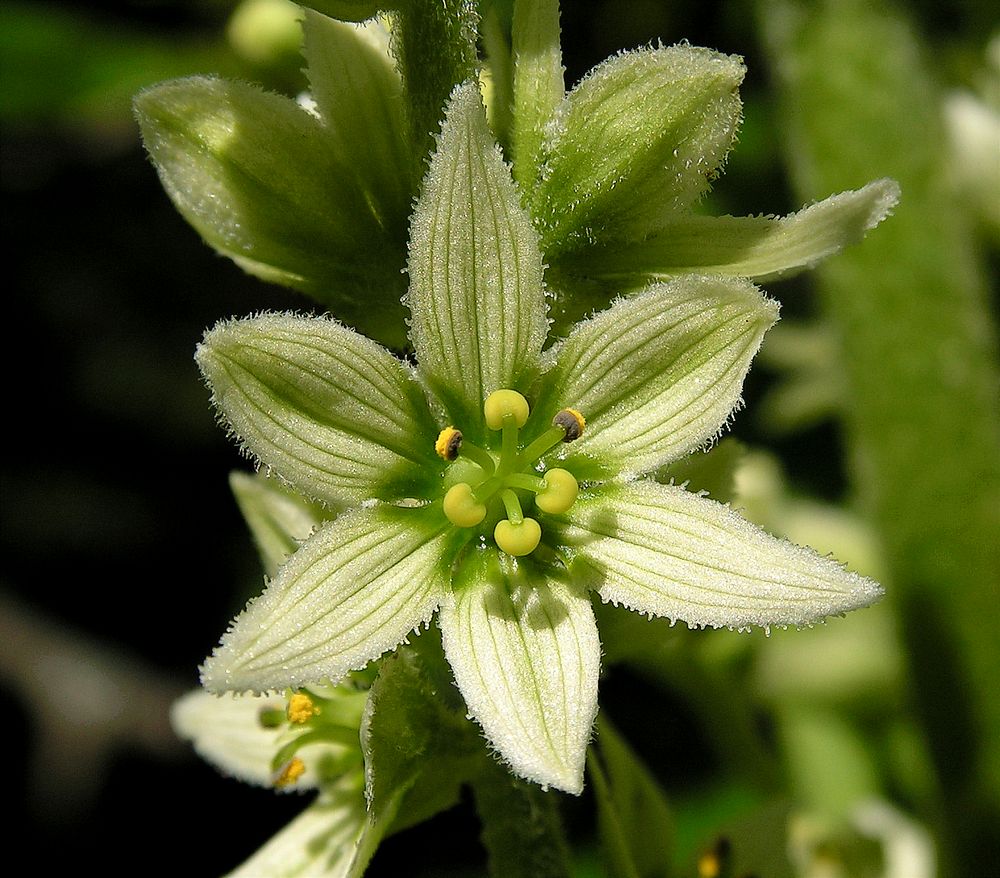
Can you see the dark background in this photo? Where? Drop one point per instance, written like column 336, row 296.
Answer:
column 122, row 547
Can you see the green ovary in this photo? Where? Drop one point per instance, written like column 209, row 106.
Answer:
column 465, row 503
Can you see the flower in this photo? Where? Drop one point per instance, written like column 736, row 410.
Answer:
column 466, row 499
column 257, row 740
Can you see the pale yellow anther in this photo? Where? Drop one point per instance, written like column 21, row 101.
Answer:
column 301, row 708
column 517, row 539
column 448, row 442
column 559, row 493
column 290, row 772
column 505, row 402
column 461, row 507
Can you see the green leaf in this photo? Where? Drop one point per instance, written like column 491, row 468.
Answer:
column 749, row 246
column 659, row 549
column 332, row 413
column 359, row 95
column 633, row 815
column 258, row 178
column 279, row 519
column 538, row 82
column 320, row 842
column 356, row 589
column 522, row 830
column 524, row 649
column 658, row 375
column 419, row 747
column 638, row 138
column 475, row 270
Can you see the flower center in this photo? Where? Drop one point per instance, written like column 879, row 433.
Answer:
column 555, row 491
column 311, row 719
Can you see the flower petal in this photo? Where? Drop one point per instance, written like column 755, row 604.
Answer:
column 255, row 175
column 359, row 94
column 661, row 550
column 226, row 731
column 330, row 411
column 639, row 137
column 657, row 375
column 475, row 269
column 279, row 520
column 748, row 246
column 320, row 842
column 356, row 588
column 525, row 654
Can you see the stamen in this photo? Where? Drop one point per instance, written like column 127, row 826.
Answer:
column 549, row 439
column 461, row 507
column 478, row 456
column 301, row 708
column 572, row 422
column 290, row 772
column 526, row 482
column 517, row 539
column 448, row 443
column 560, row 492
column 508, row 446
column 512, row 505
column 505, row 402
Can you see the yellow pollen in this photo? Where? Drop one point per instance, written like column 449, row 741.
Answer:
column 572, row 422
column 301, row 708
column 292, row 771
column 449, row 440
column 709, row 865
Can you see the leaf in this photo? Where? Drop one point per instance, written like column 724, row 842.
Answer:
column 633, row 815
column 279, row 520
column 639, row 137
column 257, row 177
column 760, row 247
column 359, row 95
column 476, row 297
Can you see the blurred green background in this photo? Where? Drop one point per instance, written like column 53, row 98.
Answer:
column 872, row 430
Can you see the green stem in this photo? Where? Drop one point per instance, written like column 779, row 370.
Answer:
column 478, row 456
column 921, row 371
column 526, row 482
column 435, row 48
column 549, row 439
column 522, row 830
column 513, row 507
